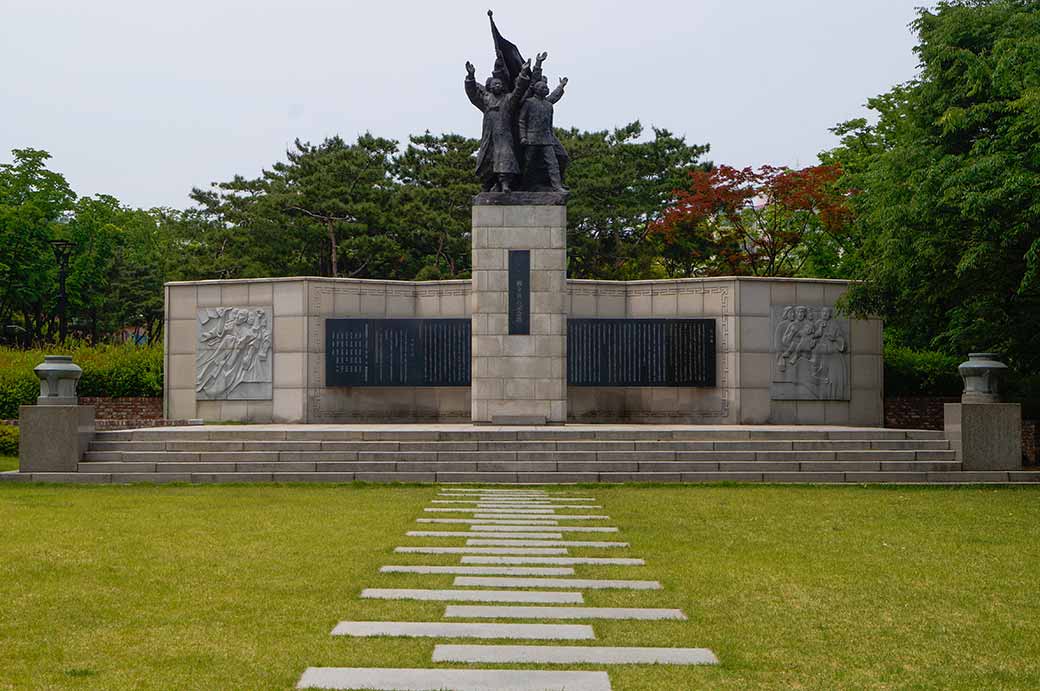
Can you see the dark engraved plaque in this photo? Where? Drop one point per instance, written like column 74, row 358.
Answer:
column 641, row 352
column 397, row 352
column 519, row 292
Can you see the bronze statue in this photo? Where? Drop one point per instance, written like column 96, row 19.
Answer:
column 544, row 157
column 497, row 165
column 518, row 149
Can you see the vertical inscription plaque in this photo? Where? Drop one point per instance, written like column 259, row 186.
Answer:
column 519, row 292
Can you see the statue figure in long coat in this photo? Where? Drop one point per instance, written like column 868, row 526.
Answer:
column 497, row 165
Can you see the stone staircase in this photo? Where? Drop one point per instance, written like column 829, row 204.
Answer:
column 487, row 454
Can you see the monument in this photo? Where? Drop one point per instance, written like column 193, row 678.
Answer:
column 519, row 245
column 518, row 342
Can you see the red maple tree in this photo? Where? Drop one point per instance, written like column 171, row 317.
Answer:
column 748, row 222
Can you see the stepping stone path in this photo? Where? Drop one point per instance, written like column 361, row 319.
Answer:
column 537, row 573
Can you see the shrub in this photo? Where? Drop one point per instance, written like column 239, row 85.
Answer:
column 920, row 373
column 8, row 441
column 108, row 370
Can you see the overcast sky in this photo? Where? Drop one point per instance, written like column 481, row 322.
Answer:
column 143, row 99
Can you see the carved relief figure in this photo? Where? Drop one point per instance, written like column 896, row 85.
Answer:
column 233, row 354
column 810, row 350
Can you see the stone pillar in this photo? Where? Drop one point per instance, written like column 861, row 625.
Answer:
column 519, row 366
column 54, row 433
column 985, row 433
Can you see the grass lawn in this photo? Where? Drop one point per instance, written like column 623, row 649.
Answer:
column 792, row 587
column 8, row 463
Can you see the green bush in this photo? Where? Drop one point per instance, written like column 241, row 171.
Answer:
column 8, row 441
column 108, row 370
column 920, row 373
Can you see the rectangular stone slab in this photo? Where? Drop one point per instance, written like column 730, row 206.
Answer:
column 508, row 612
column 573, row 654
column 555, row 517
column 471, row 595
column 568, row 561
column 509, row 500
column 527, row 507
column 480, row 570
column 519, row 528
column 441, row 629
column 542, row 543
column 575, row 583
column 454, row 679
column 467, row 533
column 509, row 551
column 524, row 511
column 487, row 521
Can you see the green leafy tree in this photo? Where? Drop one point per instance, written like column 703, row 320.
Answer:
column 947, row 186
column 434, row 202
column 619, row 186
column 32, row 199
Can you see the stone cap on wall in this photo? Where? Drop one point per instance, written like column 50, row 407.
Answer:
column 326, row 279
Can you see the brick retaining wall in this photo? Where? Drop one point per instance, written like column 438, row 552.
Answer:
column 129, row 408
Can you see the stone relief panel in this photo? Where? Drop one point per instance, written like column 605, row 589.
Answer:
column 233, row 355
column 809, row 350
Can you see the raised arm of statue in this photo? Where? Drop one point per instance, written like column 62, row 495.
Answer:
column 474, row 91
column 523, row 81
column 557, row 93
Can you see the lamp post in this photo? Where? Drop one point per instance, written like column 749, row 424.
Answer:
column 62, row 251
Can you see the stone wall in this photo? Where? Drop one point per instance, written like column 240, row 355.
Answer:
column 742, row 309
column 298, row 308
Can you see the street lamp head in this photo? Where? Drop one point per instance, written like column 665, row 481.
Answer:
column 62, row 250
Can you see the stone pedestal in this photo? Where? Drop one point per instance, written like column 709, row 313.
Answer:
column 53, row 438
column 519, row 341
column 985, row 436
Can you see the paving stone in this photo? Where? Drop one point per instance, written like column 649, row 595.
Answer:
column 471, row 595
column 313, row 477
column 77, row 478
column 542, row 543
column 555, row 517
column 15, row 476
column 759, row 467
column 566, row 529
column 562, row 561
column 117, row 467
column 439, row 467
column 481, row 550
column 840, row 466
column 467, row 533
column 511, row 612
column 527, row 507
column 640, row 477
column 1023, row 476
column 555, row 478
column 584, row 583
column 559, row 654
column 487, row 522
column 441, row 629
column 799, row 456
column 489, row 511
column 454, row 679
column 395, row 477
column 221, row 478
column 481, row 570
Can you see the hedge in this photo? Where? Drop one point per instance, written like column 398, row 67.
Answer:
column 8, row 441
column 920, row 373
column 108, row 370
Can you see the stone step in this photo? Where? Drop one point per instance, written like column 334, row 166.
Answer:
column 454, row 679
column 561, row 561
column 439, row 629
column 901, row 473
column 572, row 654
column 502, row 461
column 464, row 433
column 480, row 542
column 583, row 447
